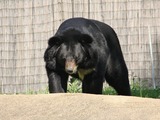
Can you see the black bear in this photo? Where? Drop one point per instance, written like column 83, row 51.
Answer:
column 89, row 50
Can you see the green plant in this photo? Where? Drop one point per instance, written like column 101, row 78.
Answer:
column 74, row 86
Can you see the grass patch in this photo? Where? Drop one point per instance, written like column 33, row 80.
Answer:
column 145, row 92
column 75, row 86
column 32, row 92
column 109, row 91
column 137, row 91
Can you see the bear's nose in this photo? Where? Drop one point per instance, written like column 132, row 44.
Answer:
column 70, row 66
column 69, row 71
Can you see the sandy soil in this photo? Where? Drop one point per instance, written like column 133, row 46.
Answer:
column 77, row 107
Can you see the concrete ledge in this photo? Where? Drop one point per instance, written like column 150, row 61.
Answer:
column 77, row 107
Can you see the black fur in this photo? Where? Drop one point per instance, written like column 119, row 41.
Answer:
column 92, row 45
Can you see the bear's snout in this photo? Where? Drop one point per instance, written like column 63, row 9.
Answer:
column 70, row 66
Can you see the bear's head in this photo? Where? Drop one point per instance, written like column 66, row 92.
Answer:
column 73, row 50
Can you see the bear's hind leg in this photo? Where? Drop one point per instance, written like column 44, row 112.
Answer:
column 92, row 84
column 120, row 84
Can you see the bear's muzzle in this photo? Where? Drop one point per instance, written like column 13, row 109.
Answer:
column 70, row 66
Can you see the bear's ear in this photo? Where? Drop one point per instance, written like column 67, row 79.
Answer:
column 54, row 41
column 86, row 39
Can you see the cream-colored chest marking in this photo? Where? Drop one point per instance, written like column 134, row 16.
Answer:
column 83, row 72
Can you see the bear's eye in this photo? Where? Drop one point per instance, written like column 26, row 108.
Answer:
column 85, row 39
column 54, row 41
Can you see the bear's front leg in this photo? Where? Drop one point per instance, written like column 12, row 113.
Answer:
column 92, row 84
column 57, row 82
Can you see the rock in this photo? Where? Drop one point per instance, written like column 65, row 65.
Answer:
column 78, row 107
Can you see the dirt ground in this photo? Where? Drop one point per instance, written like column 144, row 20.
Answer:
column 77, row 107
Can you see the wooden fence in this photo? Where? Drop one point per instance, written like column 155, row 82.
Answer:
column 26, row 25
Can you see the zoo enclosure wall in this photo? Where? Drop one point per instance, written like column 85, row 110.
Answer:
column 26, row 25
